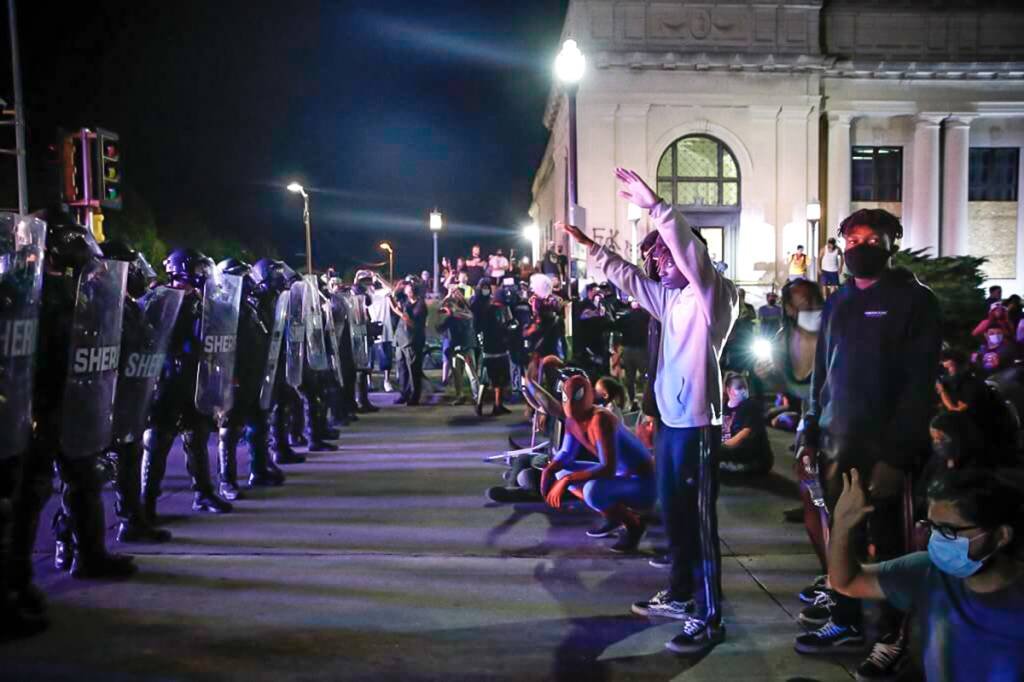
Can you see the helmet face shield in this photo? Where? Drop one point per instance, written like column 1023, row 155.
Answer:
column 144, row 267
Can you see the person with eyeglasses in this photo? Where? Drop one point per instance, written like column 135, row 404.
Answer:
column 966, row 593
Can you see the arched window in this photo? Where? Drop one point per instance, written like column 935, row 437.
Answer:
column 698, row 170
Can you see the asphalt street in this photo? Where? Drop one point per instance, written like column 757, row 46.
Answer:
column 383, row 560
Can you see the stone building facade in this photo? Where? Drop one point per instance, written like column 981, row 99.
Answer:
column 747, row 111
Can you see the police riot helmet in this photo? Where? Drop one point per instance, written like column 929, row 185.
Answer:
column 188, row 266
column 271, row 275
column 140, row 273
column 68, row 244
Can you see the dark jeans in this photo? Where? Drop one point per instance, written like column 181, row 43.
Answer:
column 410, row 372
column 882, row 537
column 687, row 472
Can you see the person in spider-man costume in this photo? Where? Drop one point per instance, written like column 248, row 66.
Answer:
column 619, row 485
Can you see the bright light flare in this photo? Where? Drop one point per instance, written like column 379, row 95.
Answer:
column 385, row 246
column 762, row 349
column 296, row 188
column 531, row 233
column 436, row 221
column 570, row 63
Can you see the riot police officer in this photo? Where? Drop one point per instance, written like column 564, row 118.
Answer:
column 272, row 280
column 149, row 316
column 21, row 268
column 174, row 409
column 77, row 364
column 247, row 417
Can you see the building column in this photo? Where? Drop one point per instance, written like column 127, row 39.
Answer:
column 924, row 228
column 839, row 162
column 956, row 153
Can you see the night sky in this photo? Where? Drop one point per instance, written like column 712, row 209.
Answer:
column 386, row 109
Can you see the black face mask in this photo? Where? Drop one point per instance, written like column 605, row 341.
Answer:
column 867, row 261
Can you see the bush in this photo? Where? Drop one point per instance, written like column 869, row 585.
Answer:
column 956, row 281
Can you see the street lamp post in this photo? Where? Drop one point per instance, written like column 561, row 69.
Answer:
column 569, row 67
column 633, row 214
column 299, row 189
column 391, row 260
column 436, row 223
column 813, row 220
column 19, row 111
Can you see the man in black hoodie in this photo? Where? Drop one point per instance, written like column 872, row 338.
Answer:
column 872, row 396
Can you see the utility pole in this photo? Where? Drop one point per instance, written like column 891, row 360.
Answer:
column 19, row 113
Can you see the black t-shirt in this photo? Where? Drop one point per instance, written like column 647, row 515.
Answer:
column 474, row 273
column 735, row 419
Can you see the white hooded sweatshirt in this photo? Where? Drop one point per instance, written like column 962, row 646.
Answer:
column 695, row 321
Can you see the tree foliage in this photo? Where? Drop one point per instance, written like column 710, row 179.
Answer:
column 137, row 226
column 956, row 281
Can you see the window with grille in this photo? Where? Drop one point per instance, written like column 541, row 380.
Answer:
column 993, row 173
column 698, row 170
column 877, row 174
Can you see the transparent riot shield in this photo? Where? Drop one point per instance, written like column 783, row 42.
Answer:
column 215, row 379
column 274, row 351
column 359, row 328
column 146, row 335
column 21, row 281
column 87, row 419
column 295, row 337
column 331, row 330
column 316, row 347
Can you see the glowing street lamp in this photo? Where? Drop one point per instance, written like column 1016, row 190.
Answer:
column 391, row 260
column 296, row 188
column 436, row 225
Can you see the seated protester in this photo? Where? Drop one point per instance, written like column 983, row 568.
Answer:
column 784, row 414
column 491, row 320
column 611, row 395
column 959, row 389
column 998, row 318
column 966, row 593
column 620, row 485
column 999, row 352
column 745, row 447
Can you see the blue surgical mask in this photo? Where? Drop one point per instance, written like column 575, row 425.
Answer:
column 953, row 556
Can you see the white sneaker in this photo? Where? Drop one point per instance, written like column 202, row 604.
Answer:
column 660, row 605
column 388, row 388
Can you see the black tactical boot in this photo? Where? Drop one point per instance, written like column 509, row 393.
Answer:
column 282, row 450
column 197, row 458
column 63, row 543
column 227, row 446
column 156, row 448
column 262, row 472
column 84, row 505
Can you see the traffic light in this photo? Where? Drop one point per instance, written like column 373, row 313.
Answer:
column 70, row 156
column 108, row 167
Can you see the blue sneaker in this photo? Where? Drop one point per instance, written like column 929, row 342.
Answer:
column 829, row 639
